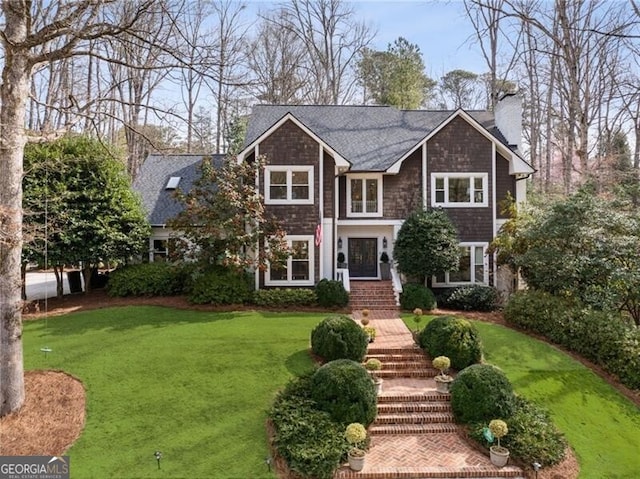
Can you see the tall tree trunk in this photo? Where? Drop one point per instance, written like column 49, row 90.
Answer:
column 16, row 81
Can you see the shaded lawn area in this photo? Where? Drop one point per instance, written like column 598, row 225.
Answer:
column 194, row 385
column 601, row 424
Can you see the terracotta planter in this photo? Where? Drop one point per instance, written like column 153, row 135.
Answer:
column 499, row 455
column 356, row 460
column 443, row 384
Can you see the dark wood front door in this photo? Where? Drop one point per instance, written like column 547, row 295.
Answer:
column 363, row 257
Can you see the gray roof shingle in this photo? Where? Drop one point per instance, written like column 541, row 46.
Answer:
column 152, row 180
column 371, row 138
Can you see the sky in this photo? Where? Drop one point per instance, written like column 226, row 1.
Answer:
column 439, row 27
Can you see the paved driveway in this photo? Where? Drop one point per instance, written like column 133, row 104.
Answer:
column 41, row 285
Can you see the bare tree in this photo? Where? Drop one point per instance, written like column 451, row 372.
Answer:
column 332, row 39
column 275, row 59
column 33, row 33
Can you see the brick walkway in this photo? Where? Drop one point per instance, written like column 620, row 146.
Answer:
column 414, row 435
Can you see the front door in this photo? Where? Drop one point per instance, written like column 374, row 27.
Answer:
column 363, row 257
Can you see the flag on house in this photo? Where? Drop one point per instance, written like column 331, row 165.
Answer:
column 318, row 234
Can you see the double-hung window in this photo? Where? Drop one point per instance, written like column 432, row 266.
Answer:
column 298, row 267
column 459, row 189
column 288, row 185
column 364, row 195
column 471, row 270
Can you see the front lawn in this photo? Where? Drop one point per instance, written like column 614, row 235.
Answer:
column 193, row 385
column 601, row 424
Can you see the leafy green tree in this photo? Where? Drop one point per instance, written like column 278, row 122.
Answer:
column 582, row 247
column 427, row 244
column 461, row 88
column 396, row 76
column 79, row 206
column 224, row 218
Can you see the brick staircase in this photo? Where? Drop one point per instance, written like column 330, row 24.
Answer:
column 372, row 295
column 414, row 435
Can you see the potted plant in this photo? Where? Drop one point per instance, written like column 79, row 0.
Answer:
column 365, row 317
column 443, row 380
column 417, row 318
column 356, row 436
column 385, row 266
column 372, row 365
column 499, row 455
column 371, row 332
column 341, row 260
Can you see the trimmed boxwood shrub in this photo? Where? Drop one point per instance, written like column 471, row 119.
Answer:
column 307, row 438
column 453, row 337
column 147, row 279
column 480, row 393
column 344, row 389
column 331, row 293
column 339, row 337
column 283, row 297
column 532, row 435
column 222, row 286
column 417, row 296
column 470, row 298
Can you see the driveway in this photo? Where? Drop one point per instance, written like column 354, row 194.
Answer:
column 42, row 284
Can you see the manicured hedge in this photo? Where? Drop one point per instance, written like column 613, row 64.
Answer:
column 470, row 298
column 456, row 338
column 417, row 296
column 605, row 337
column 344, row 389
column 222, row 286
column 481, row 393
column 148, row 279
column 331, row 293
column 284, row 297
column 339, row 337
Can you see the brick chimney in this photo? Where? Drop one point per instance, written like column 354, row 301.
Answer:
column 508, row 116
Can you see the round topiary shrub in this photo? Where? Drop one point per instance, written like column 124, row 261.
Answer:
column 453, row 337
column 417, row 296
column 481, row 393
column 344, row 389
column 339, row 337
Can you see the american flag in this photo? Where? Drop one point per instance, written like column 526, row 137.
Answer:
column 318, row 234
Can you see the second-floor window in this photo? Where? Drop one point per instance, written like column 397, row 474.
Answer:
column 364, row 195
column 459, row 189
column 288, row 185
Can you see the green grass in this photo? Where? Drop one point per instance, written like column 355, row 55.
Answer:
column 601, row 424
column 194, row 385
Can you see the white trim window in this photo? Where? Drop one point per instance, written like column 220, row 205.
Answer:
column 364, row 195
column 298, row 270
column 286, row 185
column 456, row 190
column 473, row 267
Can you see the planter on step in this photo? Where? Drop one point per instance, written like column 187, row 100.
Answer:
column 443, row 383
column 378, row 383
column 499, row 455
column 356, row 459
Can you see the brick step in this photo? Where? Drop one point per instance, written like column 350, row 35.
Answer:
column 400, row 407
column 424, row 428
column 413, row 357
column 407, row 364
column 382, row 307
column 412, row 351
column 406, row 373
column 414, row 418
column 372, row 303
column 430, row 396
column 371, row 296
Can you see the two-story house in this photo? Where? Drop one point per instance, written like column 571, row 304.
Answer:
column 344, row 178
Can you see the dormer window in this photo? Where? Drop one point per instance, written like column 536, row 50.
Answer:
column 172, row 184
column 364, row 195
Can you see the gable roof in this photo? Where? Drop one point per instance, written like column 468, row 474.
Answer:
column 371, row 138
column 152, row 180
